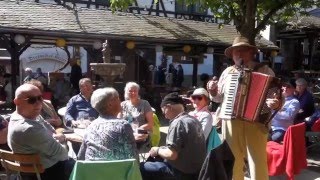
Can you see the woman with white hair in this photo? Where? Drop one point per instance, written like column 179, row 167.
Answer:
column 135, row 110
column 108, row 137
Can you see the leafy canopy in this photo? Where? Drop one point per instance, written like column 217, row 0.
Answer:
column 249, row 16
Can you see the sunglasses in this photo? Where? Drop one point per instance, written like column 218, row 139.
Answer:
column 199, row 98
column 33, row 99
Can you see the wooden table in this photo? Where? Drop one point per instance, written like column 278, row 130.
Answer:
column 78, row 135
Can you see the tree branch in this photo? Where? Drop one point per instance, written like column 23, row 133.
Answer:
column 269, row 15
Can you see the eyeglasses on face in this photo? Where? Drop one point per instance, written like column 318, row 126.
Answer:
column 199, row 98
column 33, row 99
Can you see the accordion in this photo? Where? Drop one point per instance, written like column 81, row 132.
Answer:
column 245, row 96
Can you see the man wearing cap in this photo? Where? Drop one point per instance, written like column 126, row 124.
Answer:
column 200, row 101
column 306, row 101
column 185, row 148
column 285, row 116
column 245, row 139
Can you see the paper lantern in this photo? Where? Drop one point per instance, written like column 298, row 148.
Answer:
column 60, row 42
column 97, row 45
column 186, row 48
column 130, row 44
column 19, row 39
column 210, row 50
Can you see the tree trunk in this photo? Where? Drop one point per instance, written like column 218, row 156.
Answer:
column 247, row 25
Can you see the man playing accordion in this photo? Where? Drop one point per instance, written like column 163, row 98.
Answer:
column 246, row 139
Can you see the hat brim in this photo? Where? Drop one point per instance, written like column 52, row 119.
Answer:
column 228, row 51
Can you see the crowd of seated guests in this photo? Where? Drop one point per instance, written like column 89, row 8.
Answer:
column 116, row 125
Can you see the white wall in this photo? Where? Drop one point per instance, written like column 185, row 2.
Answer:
column 49, row 58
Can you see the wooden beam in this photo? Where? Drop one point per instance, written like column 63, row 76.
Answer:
column 163, row 8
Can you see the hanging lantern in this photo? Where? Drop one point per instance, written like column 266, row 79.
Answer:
column 60, row 42
column 186, row 48
column 210, row 50
column 19, row 39
column 130, row 44
column 274, row 53
column 97, row 45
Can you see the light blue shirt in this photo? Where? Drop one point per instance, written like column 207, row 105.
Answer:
column 285, row 116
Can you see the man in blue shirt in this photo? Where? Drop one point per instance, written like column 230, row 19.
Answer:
column 306, row 101
column 79, row 106
column 285, row 117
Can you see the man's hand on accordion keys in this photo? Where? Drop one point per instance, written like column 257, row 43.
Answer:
column 212, row 86
column 273, row 103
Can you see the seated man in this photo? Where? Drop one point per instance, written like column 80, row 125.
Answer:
column 285, row 116
column 108, row 138
column 79, row 105
column 185, row 148
column 27, row 134
column 306, row 101
column 48, row 112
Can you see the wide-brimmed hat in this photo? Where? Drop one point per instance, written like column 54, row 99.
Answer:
column 239, row 41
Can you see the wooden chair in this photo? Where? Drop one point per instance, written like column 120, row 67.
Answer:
column 27, row 163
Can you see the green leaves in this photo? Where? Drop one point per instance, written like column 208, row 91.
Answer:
column 267, row 11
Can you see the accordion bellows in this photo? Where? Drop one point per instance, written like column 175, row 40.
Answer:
column 246, row 94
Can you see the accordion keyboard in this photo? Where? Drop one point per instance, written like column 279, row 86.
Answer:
column 230, row 92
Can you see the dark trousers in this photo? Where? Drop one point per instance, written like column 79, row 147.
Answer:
column 76, row 147
column 276, row 135
column 61, row 170
column 163, row 171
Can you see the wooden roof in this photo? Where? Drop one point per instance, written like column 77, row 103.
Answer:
column 56, row 20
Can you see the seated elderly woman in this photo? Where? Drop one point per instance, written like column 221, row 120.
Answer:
column 107, row 137
column 135, row 110
column 200, row 101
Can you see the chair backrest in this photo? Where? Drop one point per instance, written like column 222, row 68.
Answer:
column 155, row 135
column 27, row 163
column 213, row 140
column 295, row 149
column 127, row 169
